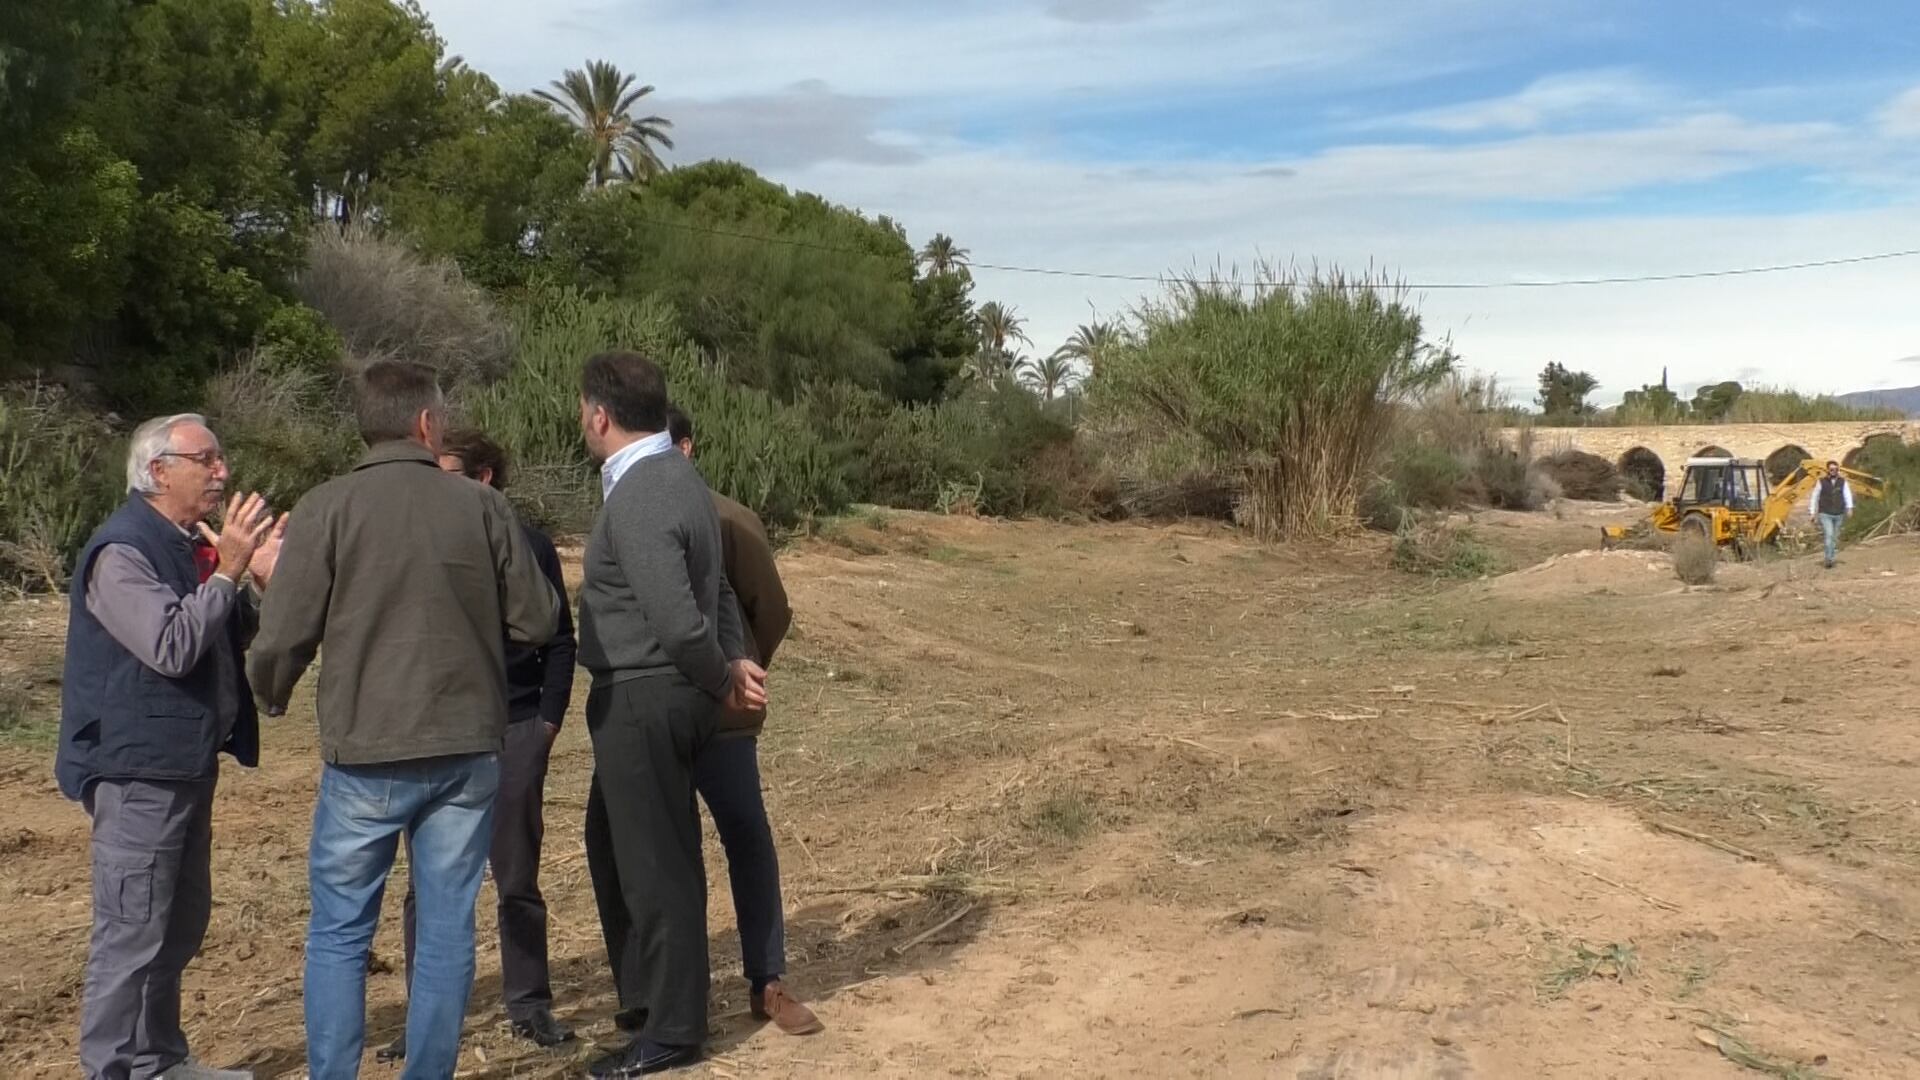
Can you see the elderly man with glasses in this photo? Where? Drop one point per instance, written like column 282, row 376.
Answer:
column 154, row 692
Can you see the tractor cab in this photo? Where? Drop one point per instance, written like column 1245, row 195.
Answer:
column 1739, row 484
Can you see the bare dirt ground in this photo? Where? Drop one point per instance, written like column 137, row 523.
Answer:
column 1127, row 801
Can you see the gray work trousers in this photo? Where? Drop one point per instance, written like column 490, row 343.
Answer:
column 152, row 896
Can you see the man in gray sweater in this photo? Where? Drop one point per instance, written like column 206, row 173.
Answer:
column 661, row 636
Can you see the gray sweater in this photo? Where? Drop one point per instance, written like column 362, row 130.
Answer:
column 655, row 599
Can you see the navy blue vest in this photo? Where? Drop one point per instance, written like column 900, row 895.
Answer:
column 120, row 718
column 1833, row 495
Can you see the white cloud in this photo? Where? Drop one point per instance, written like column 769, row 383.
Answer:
column 1900, row 118
column 805, row 123
column 820, row 96
column 1099, row 11
column 965, row 54
column 1554, row 98
column 1828, row 330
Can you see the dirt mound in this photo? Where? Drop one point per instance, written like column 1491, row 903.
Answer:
column 1636, row 573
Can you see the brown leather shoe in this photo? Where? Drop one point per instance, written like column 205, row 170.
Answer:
column 785, row 1010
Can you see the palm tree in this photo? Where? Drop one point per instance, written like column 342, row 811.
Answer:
column 1050, row 376
column 987, row 367
column 600, row 101
column 942, row 255
column 998, row 325
column 1091, row 343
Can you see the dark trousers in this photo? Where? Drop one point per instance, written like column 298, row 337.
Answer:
column 727, row 774
column 152, row 897
column 643, row 850
column 513, row 854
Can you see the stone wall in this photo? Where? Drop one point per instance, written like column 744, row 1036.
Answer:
column 1673, row 445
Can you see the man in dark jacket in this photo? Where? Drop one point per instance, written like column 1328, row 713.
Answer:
column 408, row 576
column 660, row 633
column 1832, row 502
column 153, row 692
column 539, row 688
column 727, row 772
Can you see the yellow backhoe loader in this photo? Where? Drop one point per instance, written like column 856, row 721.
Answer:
column 1729, row 501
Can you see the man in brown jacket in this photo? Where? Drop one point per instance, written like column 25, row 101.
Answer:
column 407, row 575
column 727, row 770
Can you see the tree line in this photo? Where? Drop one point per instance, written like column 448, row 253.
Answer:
column 163, row 163
column 1564, row 393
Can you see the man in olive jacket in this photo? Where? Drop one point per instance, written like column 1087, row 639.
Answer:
column 727, row 772
column 407, row 575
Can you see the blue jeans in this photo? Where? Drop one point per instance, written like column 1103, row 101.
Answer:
column 1830, row 531
column 727, row 775
column 444, row 808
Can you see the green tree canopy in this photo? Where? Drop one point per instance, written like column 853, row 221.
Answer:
column 362, row 90
column 781, row 288
column 1563, row 393
column 1712, row 402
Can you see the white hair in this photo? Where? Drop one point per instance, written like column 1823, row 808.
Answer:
column 151, row 441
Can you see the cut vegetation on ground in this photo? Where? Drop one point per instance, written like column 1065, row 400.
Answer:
column 1128, row 801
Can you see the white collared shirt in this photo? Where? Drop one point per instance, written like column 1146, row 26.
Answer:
column 622, row 459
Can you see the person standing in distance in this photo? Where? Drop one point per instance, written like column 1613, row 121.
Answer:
column 1832, row 502
column 539, row 688
column 660, row 634
column 407, row 576
column 153, row 691
column 727, row 772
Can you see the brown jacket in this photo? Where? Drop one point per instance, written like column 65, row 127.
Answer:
column 748, row 557
column 406, row 575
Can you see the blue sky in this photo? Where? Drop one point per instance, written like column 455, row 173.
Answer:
column 1444, row 140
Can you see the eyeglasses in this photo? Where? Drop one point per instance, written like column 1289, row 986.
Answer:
column 206, row 459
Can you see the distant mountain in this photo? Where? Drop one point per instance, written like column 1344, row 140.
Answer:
column 1906, row 398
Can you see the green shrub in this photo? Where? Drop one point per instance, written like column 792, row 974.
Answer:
column 1295, row 389
column 750, row 447
column 1896, row 463
column 62, row 471
column 1442, row 550
column 1425, row 477
column 990, row 441
column 299, row 338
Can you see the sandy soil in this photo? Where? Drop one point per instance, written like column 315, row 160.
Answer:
column 1172, row 804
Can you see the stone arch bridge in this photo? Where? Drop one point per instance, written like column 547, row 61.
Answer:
column 1657, row 455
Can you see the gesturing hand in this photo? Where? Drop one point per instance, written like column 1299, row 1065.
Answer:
column 267, row 555
column 748, row 691
column 245, row 524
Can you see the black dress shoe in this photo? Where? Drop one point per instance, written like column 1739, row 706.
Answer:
column 630, row 1020
column 643, row 1058
column 542, row 1029
column 393, row 1051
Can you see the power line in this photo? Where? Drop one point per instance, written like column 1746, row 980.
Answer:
column 1165, row 279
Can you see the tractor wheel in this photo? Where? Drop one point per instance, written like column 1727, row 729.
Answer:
column 1697, row 525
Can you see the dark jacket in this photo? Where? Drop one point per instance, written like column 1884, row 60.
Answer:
column 654, row 600
column 540, row 680
column 748, row 556
column 407, row 575
column 121, row 719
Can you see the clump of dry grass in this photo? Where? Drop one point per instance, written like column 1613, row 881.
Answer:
column 1695, row 559
column 1582, row 475
column 386, row 302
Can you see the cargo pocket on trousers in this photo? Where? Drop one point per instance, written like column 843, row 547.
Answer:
column 123, row 886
